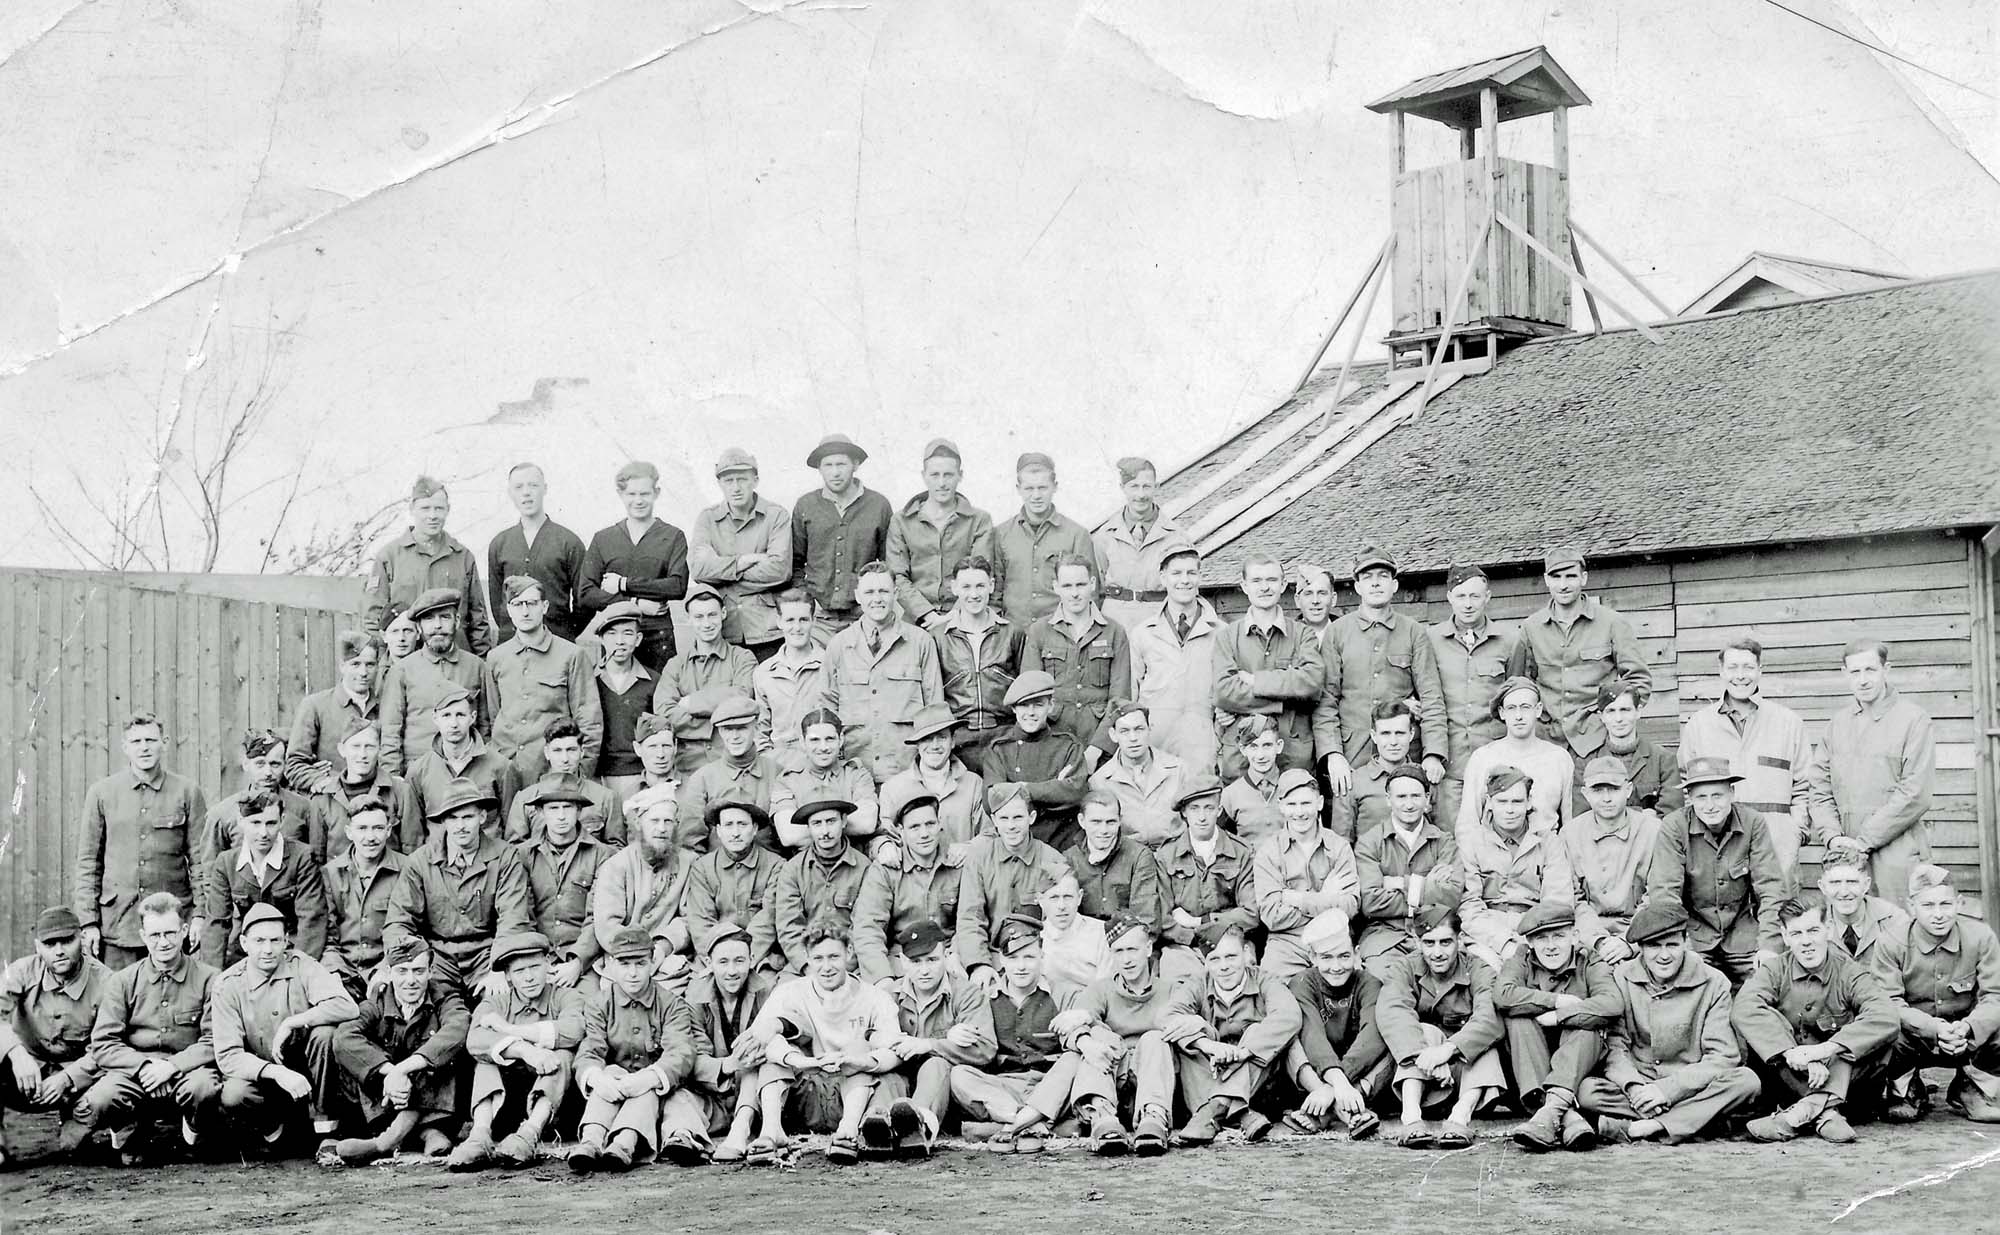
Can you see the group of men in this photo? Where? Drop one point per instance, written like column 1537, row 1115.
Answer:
column 939, row 822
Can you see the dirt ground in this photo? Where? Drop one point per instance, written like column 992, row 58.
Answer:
column 1320, row 1184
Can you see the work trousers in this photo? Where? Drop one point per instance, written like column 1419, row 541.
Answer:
column 1540, row 1056
column 1730, row 1090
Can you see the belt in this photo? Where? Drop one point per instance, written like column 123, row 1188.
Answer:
column 1113, row 592
column 1781, row 808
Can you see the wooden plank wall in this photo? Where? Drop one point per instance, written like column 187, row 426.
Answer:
column 1802, row 602
column 79, row 653
column 1437, row 215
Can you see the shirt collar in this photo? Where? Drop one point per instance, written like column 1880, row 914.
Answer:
column 156, row 781
column 643, row 999
column 1930, row 943
column 956, row 621
column 288, row 968
column 74, row 987
column 1277, row 622
column 720, row 512
column 273, row 860
column 544, row 639
column 1366, row 618
column 639, row 672
column 1586, row 610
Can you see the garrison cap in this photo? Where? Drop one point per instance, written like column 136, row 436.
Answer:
column 1708, row 771
column 630, row 944
column 56, row 924
column 459, row 793
column 1032, row 685
column 942, row 446
column 1001, row 792
column 406, row 948
column 1180, row 550
column 1605, row 770
column 517, row 586
column 931, row 720
column 1436, row 909
column 433, row 600
column 1560, row 556
column 1371, row 556
column 1655, row 919
column 510, row 948
column 1018, row 929
column 924, row 937
column 264, row 911
column 649, row 724
column 1461, row 572
column 1132, row 467
column 1545, row 916
column 615, row 614
column 836, row 444
column 734, row 459
column 1197, row 789
column 544, row 792
column 734, row 710
column 1295, row 778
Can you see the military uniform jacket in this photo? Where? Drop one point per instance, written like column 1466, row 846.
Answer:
column 993, row 883
column 1223, row 890
column 558, row 1013
column 1783, row 1004
column 894, row 898
column 1525, row 988
column 807, row 889
column 460, row 909
column 559, row 884
column 356, row 909
column 50, row 1020
column 145, row 1013
column 1730, row 882
column 1380, row 857
column 236, row 881
column 1459, row 1002
column 653, row 1031
column 741, row 890
column 384, row 1034
column 139, row 837
column 1675, row 1034
column 1260, row 1015
column 1954, row 978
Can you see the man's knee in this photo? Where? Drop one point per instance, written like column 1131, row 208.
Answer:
column 107, row 1098
column 199, row 1088
column 239, row 1094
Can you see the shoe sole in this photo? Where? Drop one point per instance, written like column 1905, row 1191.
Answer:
column 1142, row 1148
column 904, row 1121
column 877, row 1136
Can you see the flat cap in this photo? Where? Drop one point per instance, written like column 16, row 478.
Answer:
column 1033, row 459
column 1605, row 770
column 544, row 792
column 924, row 937
column 614, row 614
column 517, row 586
column 1545, row 916
column 720, row 933
column 1295, row 778
column 931, row 720
column 1201, row 786
column 1373, row 555
column 460, row 793
column 1656, row 919
column 510, row 948
column 734, row 710
column 1713, row 769
column 941, row 446
column 1407, row 771
column 450, row 695
column 916, row 801
column 433, row 600
column 630, row 944
column 734, row 459
column 407, row 947
column 1461, row 572
column 264, row 911
column 1034, row 684
column 836, row 444
column 1018, row 929
column 56, row 923
column 1560, row 556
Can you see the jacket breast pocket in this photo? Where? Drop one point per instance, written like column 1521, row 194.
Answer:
column 843, row 897
column 1964, row 986
column 1595, row 649
column 1097, row 658
column 550, row 687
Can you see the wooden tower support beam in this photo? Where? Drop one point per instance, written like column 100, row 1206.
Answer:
column 1616, row 265
column 1550, row 255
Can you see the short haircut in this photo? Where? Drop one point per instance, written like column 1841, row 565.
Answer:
column 794, row 596
column 825, row 928
column 1390, row 709
column 1848, row 859
column 525, row 466
column 1741, row 643
column 427, row 486
column 252, row 804
column 1792, row 908
column 260, row 742
column 1097, row 795
column 1076, row 559
column 350, row 644
column 139, row 720
column 636, row 470
column 1261, row 557
column 160, row 904
column 976, row 562
column 821, row 716
column 874, row 567
column 368, row 808
column 559, row 728
column 1856, row 647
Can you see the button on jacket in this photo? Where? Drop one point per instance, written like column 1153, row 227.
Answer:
column 1525, row 988
column 807, row 890
column 655, row 569
column 924, row 558
column 1025, row 559
column 741, row 890
column 139, row 837
column 961, row 799
column 1783, row 1004
column 1767, row 747
column 357, row 907
column 1287, row 678
column 555, row 561
column 559, row 883
column 1175, row 680
column 1953, row 978
column 1503, row 880
column 1218, row 891
column 893, row 899
column 1371, row 661
column 1873, row 780
column 1458, row 1001
column 412, row 689
column 652, row 1031
column 718, row 542
column 406, row 568
column 146, row 1013
column 978, row 667
column 1570, row 663
column 1127, row 879
column 538, row 682
column 831, row 543
column 1471, row 679
column 1729, row 881
column 288, row 877
column 1383, row 865
column 460, row 909
column 1675, row 1034
column 246, row 1005
column 50, row 1019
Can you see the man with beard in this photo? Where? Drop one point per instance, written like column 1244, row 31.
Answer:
column 562, row 862
column 456, row 753
column 1715, row 860
column 946, row 1022
column 642, row 885
column 637, row 1051
column 1948, row 970
column 400, row 1060
column 140, row 834
column 820, row 883
column 1556, row 1001
column 1671, row 1063
column 523, row 1041
column 1339, row 1065
column 1049, row 764
column 1230, row 1028
column 1437, row 1018
column 921, row 887
column 264, row 868
column 540, row 677
column 1004, row 870
column 360, row 882
column 726, row 1000
column 735, row 881
column 51, row 1001
column 461, row 890
column 417, row 682
column 147, row 1040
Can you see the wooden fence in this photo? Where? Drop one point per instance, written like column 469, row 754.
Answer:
column 81, row 651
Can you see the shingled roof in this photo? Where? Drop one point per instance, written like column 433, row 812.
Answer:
column 1857, row 414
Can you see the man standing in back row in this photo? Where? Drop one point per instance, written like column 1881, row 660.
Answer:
column 539, row 548
column 1028, row 547
column 424, row 560
column 836, row 529
column 1375, row 655
column 742, row 546
column 1571, row 648
column 1872, row 784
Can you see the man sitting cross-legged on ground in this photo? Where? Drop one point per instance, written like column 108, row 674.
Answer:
column 1948, row 968
column 1230, row 1027
column 1671, row 1064
column 638, row 1047
column 1818, row 1022
column 1557, row 1001
column 1339, row 1064
column 827, row 1037
column 1027, row 1086
column 523, row 1043
column 400, row 1059
column 1112, row 1032
column 1436, row 1014
column 946, row 1021
column 726, row 1000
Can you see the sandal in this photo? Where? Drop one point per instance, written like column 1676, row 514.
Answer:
column 1453, row 1136
column 729, row 1151
column 766, row 1149
column 1299, row 1121
column 842, row 1149
column 1418, row 1135
column 1363, row 1126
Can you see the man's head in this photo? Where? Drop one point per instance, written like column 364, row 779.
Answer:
column 736, row 728
column 59, row 942
column 1394, row 726
column 621, row 639
column 357, row 656
column 144, row 740
column 1035, row 482
column 654, row 810
column 820, row 733
column 1564, row 575
column 1076, row 584
column 263, row 759
column 453, row 715
column 875, row 592
column 1330, row 947
column 1865, row 663
column 1100, row 817
column 826, row 824
column 1438, row 942
column 1227, row 956
column 524, row 961
column 1019, row 943
column 628, row 961
column 1375, row 584
column 265, row 936
column 836, row 466
column 439, row 628
column 1659, row 931
column 1300, row 800
column 562, row 746
column 1550, row 930
column 1802, row 921
column 527, row 607
column 1742, row 667
column 1012, row 814
column 827, row 948
column 926, row 955
column 1138, row 479
column 1132, row 731
column 1508, row 791
column 409, row 968
column 972, row 586
column 360, row 750
column 1131, row 940
column 561, row 819
column 1468, row 593
column 1711, row 790
column 527, row 489
column 735, row 829
column 1607, row 787
column 1933, row 901
column 795, row 618
column 736, row 476
column 704, row 614
column 1060, row 901
column 638, row 485
column 1257, row 737
column 400, row 633
column 1263, row 581
column 1843, row 882
column 919, row 827
column 728, row 950
column 1409, row 793
column 430, row 506
column 258, row 824
column 1032, row 697
column 163, row 929
column 941, row 473
column 368, row 833
column 462, row 825
column 1200, row 807
column 653, row 741
column 1312, row 592
column 1619, row 711
column 1519, row 707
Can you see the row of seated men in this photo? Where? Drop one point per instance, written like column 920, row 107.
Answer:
column 809, row 926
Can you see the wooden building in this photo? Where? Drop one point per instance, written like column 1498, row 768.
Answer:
column 1806, row 471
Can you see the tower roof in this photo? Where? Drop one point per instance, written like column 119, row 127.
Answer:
column 1529, row 83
